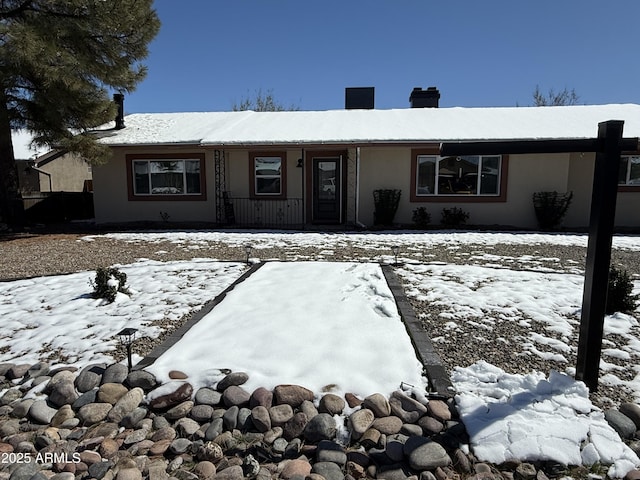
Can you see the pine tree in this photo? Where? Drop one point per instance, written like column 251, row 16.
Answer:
column 59, row 59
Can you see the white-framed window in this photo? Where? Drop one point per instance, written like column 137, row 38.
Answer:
column 267, row 175
column 470, row 175
column 629, row 172
column 167, row 176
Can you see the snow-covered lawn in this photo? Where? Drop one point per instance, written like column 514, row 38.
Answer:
column 55, row 319
column 547, row 304
column 279, row 330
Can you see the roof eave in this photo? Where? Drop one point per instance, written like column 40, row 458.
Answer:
column 342, row 143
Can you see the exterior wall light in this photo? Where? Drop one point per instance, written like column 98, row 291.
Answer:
column 127, row 336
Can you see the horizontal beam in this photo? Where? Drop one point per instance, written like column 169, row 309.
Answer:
column 531, row 146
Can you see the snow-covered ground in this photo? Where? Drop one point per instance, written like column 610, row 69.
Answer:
column 536, row 417
column 374, row 241
column 54, row 318
column 325, row 325
column 547, row 304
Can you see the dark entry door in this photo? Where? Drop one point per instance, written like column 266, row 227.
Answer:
column 327, row 198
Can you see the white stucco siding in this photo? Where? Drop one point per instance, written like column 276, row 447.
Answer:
column 111, row 196
column 527, row 175
column 628, row 209
column 380, row 167
column 390, row 168
column 384, row 168
column 581, row 184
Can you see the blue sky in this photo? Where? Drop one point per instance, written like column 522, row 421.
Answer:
column 210, row 54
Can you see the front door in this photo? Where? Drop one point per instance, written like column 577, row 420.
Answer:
column 327, row 189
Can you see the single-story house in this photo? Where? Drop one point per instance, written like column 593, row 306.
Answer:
column 297, row 168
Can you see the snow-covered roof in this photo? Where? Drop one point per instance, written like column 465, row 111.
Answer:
column 414, row 125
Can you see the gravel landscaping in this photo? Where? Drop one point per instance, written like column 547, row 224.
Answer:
column 173, row 436
column 29, row 255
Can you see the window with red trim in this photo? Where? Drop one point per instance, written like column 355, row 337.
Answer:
column 166, row 177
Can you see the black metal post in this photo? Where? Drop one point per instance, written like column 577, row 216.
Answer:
column 601, row 225
column 219, row 186
column 129, row 356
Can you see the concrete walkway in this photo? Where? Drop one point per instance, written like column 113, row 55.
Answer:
column 439, row 382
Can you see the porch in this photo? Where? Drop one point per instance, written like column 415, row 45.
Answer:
column 262, row 213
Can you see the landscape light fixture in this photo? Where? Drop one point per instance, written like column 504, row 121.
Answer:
column 127, row 336
column 247, row 250
column 395, row 249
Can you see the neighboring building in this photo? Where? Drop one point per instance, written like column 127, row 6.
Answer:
column 44, row 170
column 55, row 185
column 294, row 168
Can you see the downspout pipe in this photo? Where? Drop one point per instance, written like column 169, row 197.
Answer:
column 303, row 189
column 36, row 169
column 357, row 219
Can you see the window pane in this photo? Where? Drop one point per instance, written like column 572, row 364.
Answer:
column 192, row 168
column 267, row 166
column 426, row 173
column 623, row 170
column 490, row 175
column 167, row 166
column 268, row 175
column 167, row 178
column 634, row 172
column 458, row 175
column 327, row 180
column 268, row 185
column 141, row 177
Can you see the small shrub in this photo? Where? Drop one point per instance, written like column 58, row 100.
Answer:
column 619, row 297
column 421, row 218
column 108, row 282
column 386, row 204
column 550, row 208
column 454, row 217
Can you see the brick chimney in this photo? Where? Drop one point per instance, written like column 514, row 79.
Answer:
column 118, row 98
column 428, row 98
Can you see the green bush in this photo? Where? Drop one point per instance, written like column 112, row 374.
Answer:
column 550, row 208
column 619, row 297
column 421, row 218
column 108, row 282
column 454, row 217
column 386, row 204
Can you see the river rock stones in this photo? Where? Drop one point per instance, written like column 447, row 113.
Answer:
column 134, row 429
